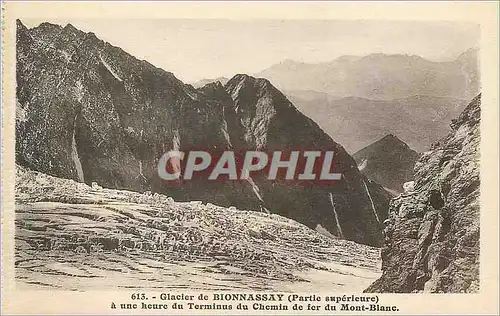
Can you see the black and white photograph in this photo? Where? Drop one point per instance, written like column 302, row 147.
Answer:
column 247, row 155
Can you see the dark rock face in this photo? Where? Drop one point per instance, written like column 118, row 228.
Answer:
column 123, row 113
column 432, row 237
column 388, row 161
column 89, row 111
column 204, row 82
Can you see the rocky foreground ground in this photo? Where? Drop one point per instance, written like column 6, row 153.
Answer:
column 76, row 237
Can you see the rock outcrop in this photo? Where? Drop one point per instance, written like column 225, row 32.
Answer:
column 204, row 82
column 90, row 112
column 432, row 234
column 389, row 162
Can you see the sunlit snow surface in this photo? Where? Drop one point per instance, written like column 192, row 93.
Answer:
column 75, row 237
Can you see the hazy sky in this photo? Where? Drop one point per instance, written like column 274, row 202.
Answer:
column 196, row 49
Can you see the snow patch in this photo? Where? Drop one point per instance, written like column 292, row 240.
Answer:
column 255, row 189
column 76, row 158
column 176, row 144
column 140, row 170
column 21, row 114
column 371, row 201
column 323, row 231
column 409, row 187
column 461, row 133
column 79, row 90
column 339, row 229
column 108, row 67
column 191, row 94
column 363, row 164
column 225, row 132
column 176, row 140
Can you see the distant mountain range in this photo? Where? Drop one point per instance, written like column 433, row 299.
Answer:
column 388, row 161
column 357, row 122
column 358, row 100
column 381, row 76
column 203, row 82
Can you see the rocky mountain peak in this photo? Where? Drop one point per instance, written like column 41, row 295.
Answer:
column 48, row 27
column 388, row 161
column 203, row 82
column 246, row 84
column 20, row 25
column 70, row 27
column 391, row 140
column 213, row 88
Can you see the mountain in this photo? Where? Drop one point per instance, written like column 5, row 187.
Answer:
column 432, row 233
column 72, row 236
column 356, row 122
column 469, row 63
column 89, row 111
column 381, row 76
column 203, row 82
column 388, row 161
column 271, row 121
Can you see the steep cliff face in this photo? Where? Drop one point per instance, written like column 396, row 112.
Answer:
column 432, row 235
column 90, row 112
column 381, row 76
column 389, row 161
column 352, row 208
column 85, row 102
